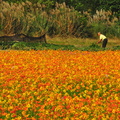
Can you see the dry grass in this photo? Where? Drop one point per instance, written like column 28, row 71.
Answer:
column 113, row 42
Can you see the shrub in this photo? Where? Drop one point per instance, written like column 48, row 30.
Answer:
column 105, row 22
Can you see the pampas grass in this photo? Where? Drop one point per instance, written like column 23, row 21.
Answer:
column 34, row 20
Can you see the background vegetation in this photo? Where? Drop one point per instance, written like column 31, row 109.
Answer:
column 61, row 18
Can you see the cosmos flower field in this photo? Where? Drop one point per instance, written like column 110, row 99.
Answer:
column 56, row 84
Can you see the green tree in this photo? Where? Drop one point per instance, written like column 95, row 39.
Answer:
column 112, row 5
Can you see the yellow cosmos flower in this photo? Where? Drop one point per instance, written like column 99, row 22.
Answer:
column 11, row 107
column 19, row 118
column 28, row 105
column 23, row 113
column 104, row 119
column 8, row 115
column 117, row 98
column 66, row 82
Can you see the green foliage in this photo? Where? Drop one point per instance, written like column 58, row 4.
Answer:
column 116, row 48
column 105, row 23
column 39, row 25
column 108, row 30
column 15, row 1
column 92, row 47
column 43, row 46
column 5, row 45
column 48, row 3
column 112, row 5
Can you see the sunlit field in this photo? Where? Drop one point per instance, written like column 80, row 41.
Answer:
column 56, row 84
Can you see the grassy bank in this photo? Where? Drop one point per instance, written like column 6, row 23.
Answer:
column 68, row 43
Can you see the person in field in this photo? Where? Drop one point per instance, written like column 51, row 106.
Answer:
column 102, row 38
